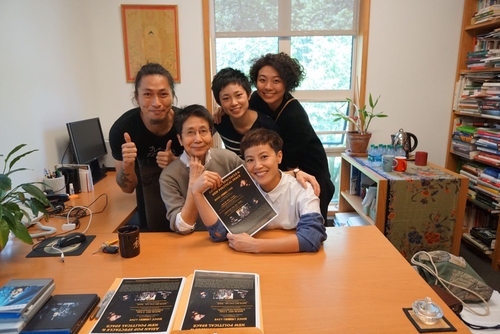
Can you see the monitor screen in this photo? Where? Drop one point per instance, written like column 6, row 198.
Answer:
column 87, row 140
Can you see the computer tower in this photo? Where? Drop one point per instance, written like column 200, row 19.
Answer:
column 71, row 175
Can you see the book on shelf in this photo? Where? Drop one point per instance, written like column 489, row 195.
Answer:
column 470, row 129
column 472, row 167
column 488, row 143
column 484, row 176
column 471, row 177
column 20, row 299
column 488, row 184
column 492, row 171
column 464, row 137
column 488, row 190
column 64, row 314
column 485, row 235
column 487, row 159
column 465, row 154
column 239, row 203
column 476, row 243
column 141, row 305
column 492, row 132
column 463, row 146
column 223, row 300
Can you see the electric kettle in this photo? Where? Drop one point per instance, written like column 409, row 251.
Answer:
column 405, row 140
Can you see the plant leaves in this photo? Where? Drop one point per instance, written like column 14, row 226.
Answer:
column 21, row 232
column 35, row 192
column 16, row 170
column 4, row 233
column 14, row 150
column 16, row 159
column 5, row 183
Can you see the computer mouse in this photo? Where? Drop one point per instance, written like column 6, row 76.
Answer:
column 71, row 239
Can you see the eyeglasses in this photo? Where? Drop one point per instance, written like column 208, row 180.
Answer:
column 192, row 133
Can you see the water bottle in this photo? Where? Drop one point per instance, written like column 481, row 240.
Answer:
column 383, row 149
column 400, row 151
column 370, row 154
column 391, row 150
column 377, row 156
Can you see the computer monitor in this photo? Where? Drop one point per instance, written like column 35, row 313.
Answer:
column 87, row 145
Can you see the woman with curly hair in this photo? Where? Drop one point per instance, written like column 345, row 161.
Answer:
column 275, row 76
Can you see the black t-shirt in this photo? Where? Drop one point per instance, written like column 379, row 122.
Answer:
column 301, row 146
column 232, row 138
column 146, row 168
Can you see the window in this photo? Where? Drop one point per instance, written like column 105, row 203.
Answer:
column 321, row 34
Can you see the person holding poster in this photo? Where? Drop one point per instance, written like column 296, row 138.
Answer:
column 297, row 208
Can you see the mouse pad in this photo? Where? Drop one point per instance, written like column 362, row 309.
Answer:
column 44, row 249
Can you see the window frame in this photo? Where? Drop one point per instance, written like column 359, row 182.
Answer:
column 359, row 67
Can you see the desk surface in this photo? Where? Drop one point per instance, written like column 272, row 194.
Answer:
column 120, row 207
column 357, row 283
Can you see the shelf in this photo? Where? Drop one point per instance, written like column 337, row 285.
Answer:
column 349, row 203
column 478, row 28
column 355, row 202
column 465, row 114
column 484, row 206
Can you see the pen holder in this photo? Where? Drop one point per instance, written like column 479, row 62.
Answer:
column 56, row 184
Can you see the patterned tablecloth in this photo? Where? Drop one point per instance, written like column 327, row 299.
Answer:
column 421, row 208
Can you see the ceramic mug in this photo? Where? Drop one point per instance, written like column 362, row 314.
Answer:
column 388, row 162
column 421, row 158
column 128, row 238
column 402, row 164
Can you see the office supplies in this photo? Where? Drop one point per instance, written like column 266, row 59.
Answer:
column 104, row 245
column 104, row 303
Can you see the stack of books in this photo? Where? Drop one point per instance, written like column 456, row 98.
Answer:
column 486, row 235
column 484, row 186
column 20, row 300
column 482, row 238
column 475, row 60
column 488, row 144
column 463, row 141
column 486, row 14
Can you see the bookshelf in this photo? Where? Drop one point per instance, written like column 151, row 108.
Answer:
column 475, row 103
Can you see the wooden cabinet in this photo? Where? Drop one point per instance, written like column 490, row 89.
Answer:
column 420, row 209
column 472, row 39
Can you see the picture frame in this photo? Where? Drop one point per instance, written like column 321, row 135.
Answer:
column 150, row 35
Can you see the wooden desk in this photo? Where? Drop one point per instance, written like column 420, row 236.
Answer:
column 120, row 207
column 357, row 283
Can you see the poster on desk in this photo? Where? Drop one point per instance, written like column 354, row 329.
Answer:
column 223, row 300
column 142, row 305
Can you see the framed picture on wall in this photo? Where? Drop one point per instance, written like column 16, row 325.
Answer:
column 150, row 35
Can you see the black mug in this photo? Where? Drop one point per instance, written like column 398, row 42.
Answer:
column 128, row 238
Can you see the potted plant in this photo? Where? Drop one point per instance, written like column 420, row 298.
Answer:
column 28, row 194
column 357, row 141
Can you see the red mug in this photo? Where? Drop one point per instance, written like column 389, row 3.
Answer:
column 421, row 158
column 401, row 165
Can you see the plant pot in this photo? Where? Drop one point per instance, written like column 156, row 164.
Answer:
column 357, row 144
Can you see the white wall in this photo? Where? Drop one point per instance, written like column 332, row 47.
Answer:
column 62, row 61
column 412, row 59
